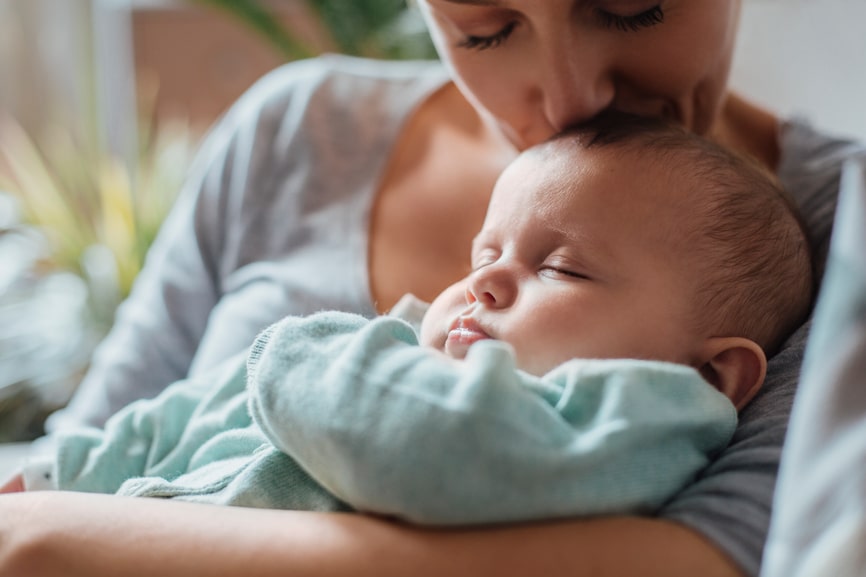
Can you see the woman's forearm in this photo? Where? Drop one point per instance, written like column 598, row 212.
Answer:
column 66, row 534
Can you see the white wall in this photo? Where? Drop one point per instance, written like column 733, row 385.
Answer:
column 805, row 57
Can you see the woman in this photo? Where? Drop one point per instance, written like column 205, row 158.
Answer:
column 329, row 186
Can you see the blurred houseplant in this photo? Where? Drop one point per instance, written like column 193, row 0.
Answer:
column 76, row 222
column 374, row 28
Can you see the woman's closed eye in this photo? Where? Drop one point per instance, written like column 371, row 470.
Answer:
column 633, row 22
column 625, row 23
column 473, row 42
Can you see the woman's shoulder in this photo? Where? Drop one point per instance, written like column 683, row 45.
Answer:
column 341, row 81
column 808, row 152
column 325, row 102
column 810, row 169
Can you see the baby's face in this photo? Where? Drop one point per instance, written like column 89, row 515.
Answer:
column 571, row 262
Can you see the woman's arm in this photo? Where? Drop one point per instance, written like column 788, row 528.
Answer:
column 69, row 535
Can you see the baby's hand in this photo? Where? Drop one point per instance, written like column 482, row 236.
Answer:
column 13, row 485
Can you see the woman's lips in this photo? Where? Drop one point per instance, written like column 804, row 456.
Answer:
column 462, row 334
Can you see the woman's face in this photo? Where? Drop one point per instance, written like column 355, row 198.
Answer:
column 534, row 67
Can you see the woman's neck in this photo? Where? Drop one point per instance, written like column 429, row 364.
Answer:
column 744, row 127
column 433, row 198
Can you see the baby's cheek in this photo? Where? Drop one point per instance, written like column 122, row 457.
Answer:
column 430, row 339
column 443, row 310
column 432, row 333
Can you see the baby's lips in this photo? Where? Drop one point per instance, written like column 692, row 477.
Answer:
column 463, row 334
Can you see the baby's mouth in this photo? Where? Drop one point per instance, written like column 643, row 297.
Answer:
column 462, row 334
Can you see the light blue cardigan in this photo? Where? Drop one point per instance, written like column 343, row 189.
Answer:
column 337, row 412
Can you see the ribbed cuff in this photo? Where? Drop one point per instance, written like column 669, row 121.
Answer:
column 38, row 474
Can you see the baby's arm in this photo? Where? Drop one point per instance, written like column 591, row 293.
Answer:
column 394, row 428
column 151, row 436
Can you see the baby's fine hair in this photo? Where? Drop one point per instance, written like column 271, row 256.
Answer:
column 747, row 241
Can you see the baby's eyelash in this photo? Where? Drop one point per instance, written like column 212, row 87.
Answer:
column 646, row 19
column 485, row 42
column 565, row 272
column 572, row 273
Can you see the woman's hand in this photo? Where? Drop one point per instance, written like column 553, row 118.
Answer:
column 13, row 485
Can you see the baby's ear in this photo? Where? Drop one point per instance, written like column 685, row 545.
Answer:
column 734, row 365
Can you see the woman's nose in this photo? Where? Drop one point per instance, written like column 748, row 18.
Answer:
column 575, row 82
column 493, row 286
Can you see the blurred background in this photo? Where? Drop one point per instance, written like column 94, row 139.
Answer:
column 103, row 102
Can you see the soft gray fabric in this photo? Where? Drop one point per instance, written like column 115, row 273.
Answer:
column 274, row 222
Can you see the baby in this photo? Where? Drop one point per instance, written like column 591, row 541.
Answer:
column 627, row 286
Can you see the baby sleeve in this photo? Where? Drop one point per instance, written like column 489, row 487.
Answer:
column 161, row 436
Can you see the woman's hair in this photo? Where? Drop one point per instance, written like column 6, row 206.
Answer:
column 743, row 238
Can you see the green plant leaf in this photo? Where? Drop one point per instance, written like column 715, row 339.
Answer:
column 354, row 24
column 263, row 21
column 372, row 28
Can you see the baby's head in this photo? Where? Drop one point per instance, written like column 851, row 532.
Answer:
column 631, row 238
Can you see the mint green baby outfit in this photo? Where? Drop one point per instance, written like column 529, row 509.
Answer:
column 334, row 412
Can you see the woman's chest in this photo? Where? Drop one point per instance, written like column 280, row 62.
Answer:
column 421, row 231
column 293, row 260
column 429, row 206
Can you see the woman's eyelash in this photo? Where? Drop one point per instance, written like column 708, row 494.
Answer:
column 651, row 17
column 485, row 42
column 633, row 23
